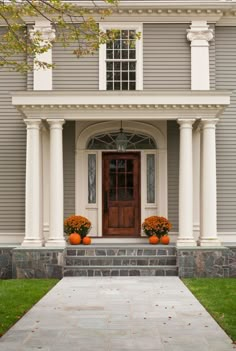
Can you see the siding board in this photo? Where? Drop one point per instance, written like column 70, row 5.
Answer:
column 166, row 57
column 72, row 73
column 12, row 155
column 226, row 130
column 69, row 168
column 173, row 173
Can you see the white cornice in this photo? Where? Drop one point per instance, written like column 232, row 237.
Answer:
column 121, row 105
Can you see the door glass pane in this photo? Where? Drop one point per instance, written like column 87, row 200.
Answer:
column 130, row 180
column 112, row 180
column 91, row 179
column 112, row 166
column 150, row 179
column 121, row 165
column 129, row 165
column 121, row 180
column 129, row 194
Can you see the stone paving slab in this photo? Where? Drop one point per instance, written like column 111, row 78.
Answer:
column 117, row 314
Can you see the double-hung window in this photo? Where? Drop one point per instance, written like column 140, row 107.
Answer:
column 120, row 60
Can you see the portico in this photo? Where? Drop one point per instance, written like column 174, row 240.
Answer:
column 50, row 110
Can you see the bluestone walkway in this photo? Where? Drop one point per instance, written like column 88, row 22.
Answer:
column 116, row 314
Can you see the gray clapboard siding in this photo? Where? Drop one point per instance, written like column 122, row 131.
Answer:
column 173, row 173
column 166, row 56
column 69, row 168
column 226, row 130
column 12, row 155
column 71, row 73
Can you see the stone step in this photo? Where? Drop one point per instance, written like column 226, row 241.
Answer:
column 88, row 271
column 121, row 260
column 119, row 250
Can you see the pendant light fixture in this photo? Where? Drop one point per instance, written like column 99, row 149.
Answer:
column 121, row 140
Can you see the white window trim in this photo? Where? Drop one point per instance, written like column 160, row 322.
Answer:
column 139, row 53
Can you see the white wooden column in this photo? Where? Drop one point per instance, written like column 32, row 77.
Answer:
column 56, row 231
column 196, row 181
column 200, row 35
column 185, row 237
column 33, row 201
column 208, row 234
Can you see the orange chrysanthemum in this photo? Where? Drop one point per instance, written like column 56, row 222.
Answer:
column 156, row 225
column 77, row 224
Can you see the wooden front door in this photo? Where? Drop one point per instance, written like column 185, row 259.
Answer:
column 121, row 194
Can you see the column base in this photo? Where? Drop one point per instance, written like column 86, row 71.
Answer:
column 30, row 243
column 186, row 242
column 212, row 242
column 55, row 242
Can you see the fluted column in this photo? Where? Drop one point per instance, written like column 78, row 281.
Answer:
column 33, row 200
column 186, row 184
column 56, row 232
column 208, row 221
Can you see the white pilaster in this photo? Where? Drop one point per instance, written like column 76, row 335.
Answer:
column 43, row 76
column 200, row 35
column 208, row 222
column 56, row 231
column 186, row 184
column 33, row 201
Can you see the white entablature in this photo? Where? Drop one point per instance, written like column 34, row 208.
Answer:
column 122, row 105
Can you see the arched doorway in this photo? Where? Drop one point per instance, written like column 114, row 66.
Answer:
column 116, row 191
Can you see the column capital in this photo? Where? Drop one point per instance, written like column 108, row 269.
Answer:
column 55, row 123
column 44, row 32
column 33, row 123
column 186, row 123
column 199, row 33
column 209, row 123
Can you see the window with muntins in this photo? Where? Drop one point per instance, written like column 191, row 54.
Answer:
column 121, row 61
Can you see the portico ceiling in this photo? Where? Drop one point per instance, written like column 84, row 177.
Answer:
column 103, row 105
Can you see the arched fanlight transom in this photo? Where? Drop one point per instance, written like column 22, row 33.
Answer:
column 135, row 141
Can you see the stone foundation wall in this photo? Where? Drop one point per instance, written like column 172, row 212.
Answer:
column 232, row 262
column 206, row 262
column 37, row 263
column 6, row 262
column 49, row 263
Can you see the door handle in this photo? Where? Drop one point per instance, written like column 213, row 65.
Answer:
column 105, row 201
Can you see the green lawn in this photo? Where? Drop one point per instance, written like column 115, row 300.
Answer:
column 17, row 296
column 218, row 296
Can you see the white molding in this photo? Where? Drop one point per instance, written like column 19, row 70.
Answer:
column 104, row 99
column 43, row 77
column 139, row 52
column 11, row 238
column 137, row 105
column 200, row 34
